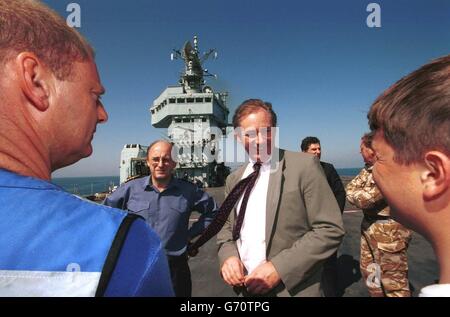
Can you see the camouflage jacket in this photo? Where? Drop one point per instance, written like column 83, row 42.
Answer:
column 364, row 193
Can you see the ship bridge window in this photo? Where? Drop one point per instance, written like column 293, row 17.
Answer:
column 198, row 99
column 190, row 100
column 203, row 119
column 153, row 111
column 177, row 120
column 172, row 100
column 186, row 120
column 207, row 99
column 181, row 100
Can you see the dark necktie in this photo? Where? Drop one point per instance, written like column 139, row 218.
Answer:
column 244, row 185
column 240, row 218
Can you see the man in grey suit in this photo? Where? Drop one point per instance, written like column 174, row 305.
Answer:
column 292, row 221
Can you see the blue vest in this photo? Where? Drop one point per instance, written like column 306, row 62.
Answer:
column 53, row 243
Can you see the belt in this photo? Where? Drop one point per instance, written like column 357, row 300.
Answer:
column 242, row 290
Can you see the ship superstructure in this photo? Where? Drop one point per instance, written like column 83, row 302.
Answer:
column 195, row 117
column 133, row 162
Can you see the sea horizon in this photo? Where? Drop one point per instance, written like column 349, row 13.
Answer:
column 89, row 185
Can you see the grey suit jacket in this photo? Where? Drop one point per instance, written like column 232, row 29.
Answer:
column 303, row 224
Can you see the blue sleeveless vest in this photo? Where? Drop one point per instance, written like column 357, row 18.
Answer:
column 53, row 243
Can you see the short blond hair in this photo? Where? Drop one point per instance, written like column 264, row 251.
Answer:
column 30, row 26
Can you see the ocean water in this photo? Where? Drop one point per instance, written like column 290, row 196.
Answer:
column 91, row 185
column 348, row 171
column 86, row 185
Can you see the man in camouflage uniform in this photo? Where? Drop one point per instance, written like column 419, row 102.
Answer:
column 384, row 242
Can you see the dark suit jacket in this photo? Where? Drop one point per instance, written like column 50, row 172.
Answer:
column 335, row 183
column 303, row 224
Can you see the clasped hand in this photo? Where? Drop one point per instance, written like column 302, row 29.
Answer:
column 260, row 281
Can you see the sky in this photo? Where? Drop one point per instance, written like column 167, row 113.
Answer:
column 317, row 62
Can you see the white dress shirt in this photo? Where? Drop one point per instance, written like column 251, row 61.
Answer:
column 436, row 290
column 252, row 242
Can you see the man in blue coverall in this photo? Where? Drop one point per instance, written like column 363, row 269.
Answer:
column 166, row 203
column 53, row 243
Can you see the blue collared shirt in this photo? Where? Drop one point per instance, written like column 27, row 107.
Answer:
column 167, row 212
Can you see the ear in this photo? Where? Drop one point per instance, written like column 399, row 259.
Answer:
column 436, row 176
column 372, row 156
column 33, row 77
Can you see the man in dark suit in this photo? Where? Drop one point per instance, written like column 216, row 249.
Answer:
column 292, row 222
column 311, row 145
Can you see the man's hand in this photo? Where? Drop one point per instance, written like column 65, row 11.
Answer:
column 262, row 279
column 232, row 271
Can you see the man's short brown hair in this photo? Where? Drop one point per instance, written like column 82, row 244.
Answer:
column 414, row 113
column 30, row 26
column 251, row 106
column 367, row 139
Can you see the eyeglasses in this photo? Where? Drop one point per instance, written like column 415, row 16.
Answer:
column 164, row 160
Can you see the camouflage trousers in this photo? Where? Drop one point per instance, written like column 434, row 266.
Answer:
column 384, row 261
